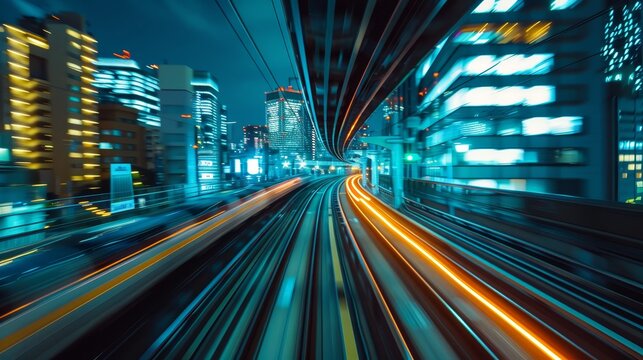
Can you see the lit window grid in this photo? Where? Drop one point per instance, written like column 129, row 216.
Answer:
column 628, row 32
column 133, row 89
column 27, row 149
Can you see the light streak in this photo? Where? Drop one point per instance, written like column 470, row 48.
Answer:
column 276, row 190
column 11, row 259
column 353, row 191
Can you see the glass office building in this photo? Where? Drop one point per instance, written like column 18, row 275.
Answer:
column 125, row 82
column 207, row 110
column 622, row 52
column 289, row 129
column 504, row 103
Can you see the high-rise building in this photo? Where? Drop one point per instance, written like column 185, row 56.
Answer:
column 504, row 103
column 207, row 110
column 178, row 125
column 623, row 54
column 124, row 81
column 51, row 100
column 289, row 128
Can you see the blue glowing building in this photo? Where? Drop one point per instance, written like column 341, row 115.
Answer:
column 207, row 108
column 504, row 101
column 623, row 55
column 123, row 81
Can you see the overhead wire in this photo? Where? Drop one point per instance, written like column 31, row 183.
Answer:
column 261, row 56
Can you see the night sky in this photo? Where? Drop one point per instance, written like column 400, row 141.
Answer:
column 190, row 32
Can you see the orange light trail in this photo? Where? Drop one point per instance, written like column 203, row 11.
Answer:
column 117, row 262
column 377, row 288
column 363, row 202
column 55, row 315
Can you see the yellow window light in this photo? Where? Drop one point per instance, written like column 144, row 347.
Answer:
column 13, row 52
column 73, row 33
column 13, row 28
column 16, row 41
column 37, row 42
column 89, row 38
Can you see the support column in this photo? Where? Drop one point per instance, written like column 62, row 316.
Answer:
column 363, row 162
column 396, row 144
column 375, row 175
column 397, row 173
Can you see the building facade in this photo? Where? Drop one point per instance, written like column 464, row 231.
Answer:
column 504, row 103
column 623, row 55
column 125, row 82
column 289, row 128
column 50, row 101
column 122, row 139
column 178, row 125
column 207, row 110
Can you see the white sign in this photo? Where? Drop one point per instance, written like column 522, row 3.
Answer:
column 121, row 190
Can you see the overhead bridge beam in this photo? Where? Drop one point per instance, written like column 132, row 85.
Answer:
column 352, row 54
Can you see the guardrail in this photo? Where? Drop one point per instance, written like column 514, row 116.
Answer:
column 604, row 235
column 599, row 217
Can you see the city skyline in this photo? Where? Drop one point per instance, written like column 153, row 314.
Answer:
column 443, row 179
column 216, row 50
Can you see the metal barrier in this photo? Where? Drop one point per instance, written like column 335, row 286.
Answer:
column 603, row 218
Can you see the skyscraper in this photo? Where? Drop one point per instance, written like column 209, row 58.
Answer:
column 51, row 100
column 124, row 82
column 207, row 110
column 289, row 129
column 622, row 52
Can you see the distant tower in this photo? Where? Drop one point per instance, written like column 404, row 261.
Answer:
column 289, row 128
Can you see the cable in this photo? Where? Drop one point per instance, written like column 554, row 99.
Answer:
column 283, row 38
column 263, row 59
column 242, row 42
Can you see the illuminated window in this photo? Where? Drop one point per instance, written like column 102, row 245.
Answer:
column 488, row 6
column 505, row 96
column 563, row 125
column 624, row 175
column 563, row 4
column 494, row 156
column 513, row 64
column 502, row 33
column 73, row 66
